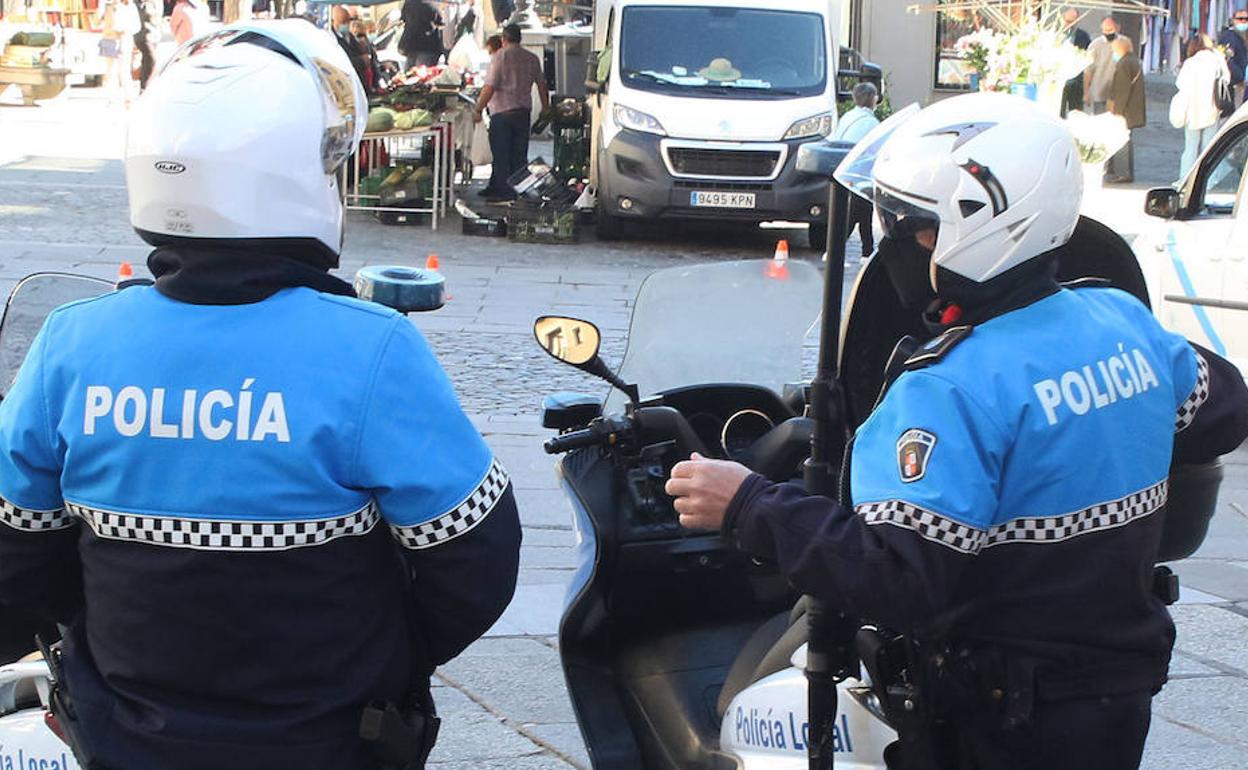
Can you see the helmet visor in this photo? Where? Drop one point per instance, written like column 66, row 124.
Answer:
column 901, row 219
column 856, row 170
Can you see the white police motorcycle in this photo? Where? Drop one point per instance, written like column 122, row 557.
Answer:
column 31, row 737
column 678, row 650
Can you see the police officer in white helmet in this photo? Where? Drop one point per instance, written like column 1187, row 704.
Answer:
column 1005, row 499
column 252, row 499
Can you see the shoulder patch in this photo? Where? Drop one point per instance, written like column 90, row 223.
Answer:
column 936, row 348
column 1088, row 282
column 914, row 449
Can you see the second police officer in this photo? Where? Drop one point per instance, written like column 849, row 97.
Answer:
column 1006, row 497
column 253, row 499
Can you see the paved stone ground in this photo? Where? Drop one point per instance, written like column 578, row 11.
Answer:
column 62, row 207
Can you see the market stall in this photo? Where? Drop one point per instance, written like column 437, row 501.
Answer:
column 418, row 141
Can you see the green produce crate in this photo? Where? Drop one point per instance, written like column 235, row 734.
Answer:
column 542, row 225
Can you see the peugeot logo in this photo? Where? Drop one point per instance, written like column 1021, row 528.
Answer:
column 169, row 167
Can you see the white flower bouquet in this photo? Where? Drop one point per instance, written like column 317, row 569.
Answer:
column 1098, row 137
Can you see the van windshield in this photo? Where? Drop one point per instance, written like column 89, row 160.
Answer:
column 743, row 52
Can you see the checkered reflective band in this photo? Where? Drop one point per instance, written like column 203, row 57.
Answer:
column 1054, row 529
column 29, row 520
column 218, row 535
column 928, row 525
column 1049, row 529
column 1200, row 394
column 463, row 517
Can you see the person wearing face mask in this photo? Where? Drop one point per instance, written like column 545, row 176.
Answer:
column 1099, row 75
column 1126, row 99
column 1004, row 501
column 1235, row 39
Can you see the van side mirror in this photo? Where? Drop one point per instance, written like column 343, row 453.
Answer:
column 597, row 71
column 1163, row 202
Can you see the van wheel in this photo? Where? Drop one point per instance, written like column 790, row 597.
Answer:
column 608, row 226
column 818, row 236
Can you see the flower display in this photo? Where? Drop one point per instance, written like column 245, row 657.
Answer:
column 1097, row 136
column 1030, row 53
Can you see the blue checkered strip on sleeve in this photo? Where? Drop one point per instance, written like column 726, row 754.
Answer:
column 1200, row 394
column 1047, row 529
column 1107, row 515
column 928, row 525
column 29, row 520
column 219, row 535
column 462, row 518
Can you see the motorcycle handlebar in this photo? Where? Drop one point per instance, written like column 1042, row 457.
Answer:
column 576, row 439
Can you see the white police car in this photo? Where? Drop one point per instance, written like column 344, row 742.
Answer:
column 1195, row 261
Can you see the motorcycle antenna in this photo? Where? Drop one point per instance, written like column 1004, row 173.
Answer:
column 830, row 643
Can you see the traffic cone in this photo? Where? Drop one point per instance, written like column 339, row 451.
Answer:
column 779, row 265
column 125, row 272
column 432, row 263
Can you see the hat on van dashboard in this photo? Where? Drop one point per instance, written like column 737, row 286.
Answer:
column 720, row 71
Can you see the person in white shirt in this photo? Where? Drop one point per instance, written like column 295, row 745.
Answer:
column 1193, row 108
column 120, row 24
column 852, row 127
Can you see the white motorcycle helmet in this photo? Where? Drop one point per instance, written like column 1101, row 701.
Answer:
column 241, row 137
column 997, row 178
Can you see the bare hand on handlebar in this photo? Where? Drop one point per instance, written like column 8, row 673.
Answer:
column 703, row 489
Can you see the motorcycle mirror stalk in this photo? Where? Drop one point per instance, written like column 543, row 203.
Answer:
column 577, row 342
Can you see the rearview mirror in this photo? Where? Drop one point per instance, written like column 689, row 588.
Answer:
column 597, row 71
column 1163, row 202
column 570, row 340
column 576, row 342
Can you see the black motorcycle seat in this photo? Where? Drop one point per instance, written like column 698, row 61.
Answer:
column 769, row 649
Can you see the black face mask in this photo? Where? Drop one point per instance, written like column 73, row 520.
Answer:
column 909, row 266
column 1110, row 36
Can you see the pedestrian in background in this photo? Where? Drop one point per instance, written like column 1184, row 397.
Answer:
column 120, row 24
column 421, row 42
column 1099, row 75
column 1072, row 93
column 148, row 37
column 1126, row 99
column 852, row 127
column 503, row 9
column 1235, row 38
column 467, row 21
column 509, row 94
column 189, row 19
column 1193, row 108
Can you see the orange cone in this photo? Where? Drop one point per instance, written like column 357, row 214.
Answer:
column 432, row 263
column 779, row 265
column 125, row 272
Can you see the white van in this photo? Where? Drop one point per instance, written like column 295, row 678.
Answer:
column 699, row 107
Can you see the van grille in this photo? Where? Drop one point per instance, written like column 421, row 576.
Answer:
column 690, row 161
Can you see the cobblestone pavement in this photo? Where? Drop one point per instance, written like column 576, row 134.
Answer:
column 62, row 207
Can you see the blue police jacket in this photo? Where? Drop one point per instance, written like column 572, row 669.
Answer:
column 257, row 518
column 1010, row 490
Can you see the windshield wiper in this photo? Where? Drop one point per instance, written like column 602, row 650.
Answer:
column 727, row 89
column 634, row 74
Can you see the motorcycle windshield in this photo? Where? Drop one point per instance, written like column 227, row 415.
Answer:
column 731, row 322
column 32, row 301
